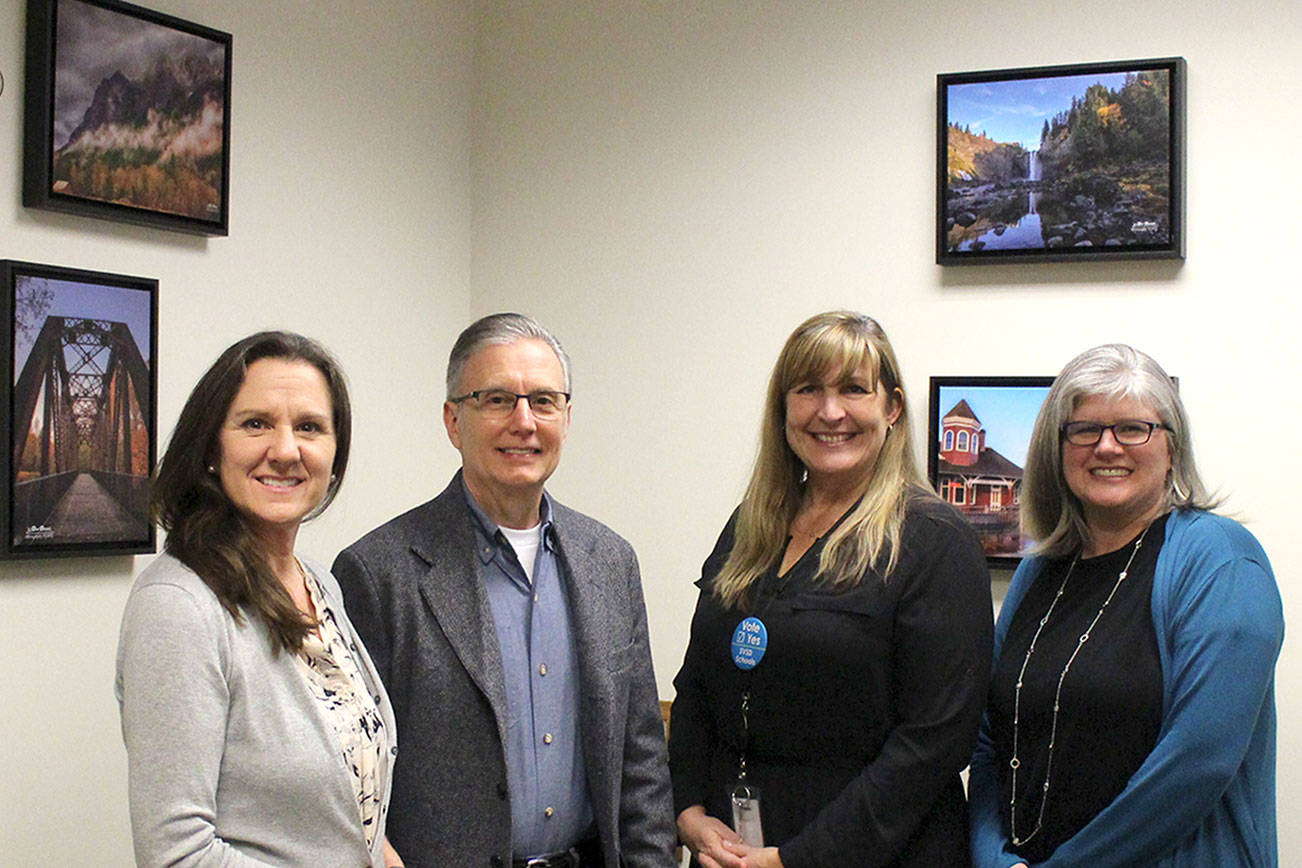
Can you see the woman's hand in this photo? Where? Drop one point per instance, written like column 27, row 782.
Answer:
column 391, row 857
column 710, row 840
column 758, row 857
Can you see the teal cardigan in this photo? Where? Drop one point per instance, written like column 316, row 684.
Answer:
column 1206, row 794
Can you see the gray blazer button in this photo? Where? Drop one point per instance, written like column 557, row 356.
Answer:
column 502, row 791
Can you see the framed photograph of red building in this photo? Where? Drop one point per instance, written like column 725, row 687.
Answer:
column 978, row 432
column 79, row 360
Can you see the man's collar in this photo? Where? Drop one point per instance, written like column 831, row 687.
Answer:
column 489, row 531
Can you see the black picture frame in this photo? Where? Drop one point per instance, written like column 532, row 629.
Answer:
column 79, row 363
column 981, row 481
column 127, row 116
column 1106, row 179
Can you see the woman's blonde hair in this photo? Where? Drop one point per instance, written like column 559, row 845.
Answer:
column 837, row 343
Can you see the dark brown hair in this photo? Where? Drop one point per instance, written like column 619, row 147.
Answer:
column 204, row 529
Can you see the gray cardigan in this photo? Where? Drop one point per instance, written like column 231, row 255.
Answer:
column 231, row 760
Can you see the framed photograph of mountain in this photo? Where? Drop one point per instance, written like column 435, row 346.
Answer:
column 127, row 116
column 78, row 357
column 1061, row 163
column 978, row 431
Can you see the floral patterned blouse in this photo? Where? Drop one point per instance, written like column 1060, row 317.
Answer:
column 334, row 679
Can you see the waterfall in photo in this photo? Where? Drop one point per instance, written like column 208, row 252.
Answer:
column 1015, row 233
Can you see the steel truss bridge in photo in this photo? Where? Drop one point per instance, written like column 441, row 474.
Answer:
column 82, row 465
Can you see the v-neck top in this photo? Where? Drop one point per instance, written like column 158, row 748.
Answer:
column 334, row 679
column 861, row 713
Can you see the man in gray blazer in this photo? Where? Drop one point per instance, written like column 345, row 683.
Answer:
column 511, row 634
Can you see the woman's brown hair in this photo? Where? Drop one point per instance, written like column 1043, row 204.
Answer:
column 204, row 530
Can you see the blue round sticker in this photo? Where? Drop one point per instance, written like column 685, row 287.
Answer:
column 749, row 643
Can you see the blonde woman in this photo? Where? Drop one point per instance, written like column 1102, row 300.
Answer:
column 838, row 660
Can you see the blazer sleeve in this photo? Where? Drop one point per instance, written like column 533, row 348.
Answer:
column 1222, row 632
column 173, row 694
column 989, row 841
column 366, row 610
column 646, row 827
column 941, row 657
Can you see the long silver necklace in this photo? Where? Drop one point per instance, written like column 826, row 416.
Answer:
column 1016, row 762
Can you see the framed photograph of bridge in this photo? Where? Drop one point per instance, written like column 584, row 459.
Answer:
column 128, row 116
column 978, row 431
column 79, row 360
column 1061, row 163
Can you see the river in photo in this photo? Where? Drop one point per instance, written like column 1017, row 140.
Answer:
column 1026, row 232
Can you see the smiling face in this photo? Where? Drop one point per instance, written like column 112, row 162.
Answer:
column 1119, row 487
column 277, row 446
column 837, row 425
column 505, row 461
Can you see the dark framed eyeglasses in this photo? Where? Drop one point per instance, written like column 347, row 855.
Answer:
column 543, row 403
column 1127, row 432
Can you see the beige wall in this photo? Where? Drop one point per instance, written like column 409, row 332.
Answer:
column 349, row 222
column 676, row 185
column 672, row 186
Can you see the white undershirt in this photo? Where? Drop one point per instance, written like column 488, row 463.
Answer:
column 525, row 542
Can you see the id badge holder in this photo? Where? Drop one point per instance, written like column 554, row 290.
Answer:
column 746, row 814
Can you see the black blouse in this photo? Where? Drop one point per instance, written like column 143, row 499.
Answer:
column 1111, row 704
column 863, row 710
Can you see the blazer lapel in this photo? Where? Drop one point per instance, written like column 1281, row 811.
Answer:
column 455, row 595
column 588, row 607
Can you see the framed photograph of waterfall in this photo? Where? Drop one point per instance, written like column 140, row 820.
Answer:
column 1061, row 163
column 127, row 116
column 79, row 360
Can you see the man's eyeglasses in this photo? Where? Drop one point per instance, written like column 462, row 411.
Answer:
column 1127, row 432
column 544, row 403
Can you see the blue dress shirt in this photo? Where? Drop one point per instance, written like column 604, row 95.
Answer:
column 550, row 807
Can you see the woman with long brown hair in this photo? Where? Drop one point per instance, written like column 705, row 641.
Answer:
column 257, row 730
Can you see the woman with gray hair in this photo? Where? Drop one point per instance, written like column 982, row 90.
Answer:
column 1132, row 716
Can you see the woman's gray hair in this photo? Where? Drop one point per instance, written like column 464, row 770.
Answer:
column 499, row 328
column 1050, row 512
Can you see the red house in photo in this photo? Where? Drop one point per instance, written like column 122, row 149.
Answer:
column 985, row 485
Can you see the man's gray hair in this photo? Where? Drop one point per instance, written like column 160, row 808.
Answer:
column 499, row 328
